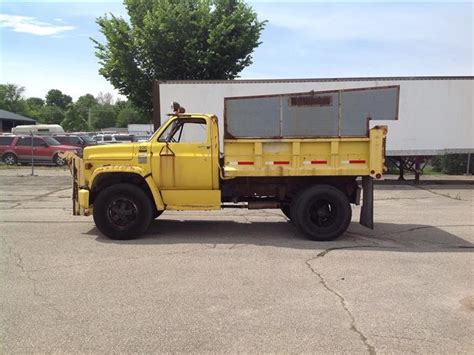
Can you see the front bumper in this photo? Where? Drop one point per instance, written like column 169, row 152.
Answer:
column 80, row 192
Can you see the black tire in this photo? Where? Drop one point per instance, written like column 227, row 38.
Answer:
column 122, row 211
column 286, row 211
column 10, row 159
column 322, row 212
column 59, row 161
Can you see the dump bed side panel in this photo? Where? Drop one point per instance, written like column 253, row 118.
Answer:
column 338, row 113
column 306, row 157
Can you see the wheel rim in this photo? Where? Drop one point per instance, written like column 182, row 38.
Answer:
column 323, row 213
column 60, row 161
column 9, row 160
column 122, row 212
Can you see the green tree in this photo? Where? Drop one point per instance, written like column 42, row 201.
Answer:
column 175, row 39
column 86, row 101
column 51, row 114
column 35, row 102
column 452, row 164
column 11, row 98
column 34, row 106
column 85, row 105
column 55, row 97
column 103, row 116
column 74, row 120
column 128, row 115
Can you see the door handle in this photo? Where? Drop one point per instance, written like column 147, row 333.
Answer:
column 204, row 146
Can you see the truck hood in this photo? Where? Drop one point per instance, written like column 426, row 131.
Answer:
column 121, row 151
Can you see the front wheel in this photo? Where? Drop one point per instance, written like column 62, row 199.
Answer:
column 323, row 212
column 58, row 161
column 122, row 211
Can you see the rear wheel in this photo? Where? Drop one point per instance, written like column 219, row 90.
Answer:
column 10, row 159
column 122, row 211
column 322, row 212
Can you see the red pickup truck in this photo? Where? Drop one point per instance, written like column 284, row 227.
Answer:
column 18, row 149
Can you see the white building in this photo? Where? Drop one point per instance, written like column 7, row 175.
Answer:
column 435, row 114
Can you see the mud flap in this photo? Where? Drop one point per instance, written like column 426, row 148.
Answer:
column 367, row 211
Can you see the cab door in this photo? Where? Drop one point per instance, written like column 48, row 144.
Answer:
column 182, row 157
column 182, row 165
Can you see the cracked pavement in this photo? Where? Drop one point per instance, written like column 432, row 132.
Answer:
column 236, row 280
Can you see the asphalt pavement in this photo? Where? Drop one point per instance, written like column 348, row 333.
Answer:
column 235, row 280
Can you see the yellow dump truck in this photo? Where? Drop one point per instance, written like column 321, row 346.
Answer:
column 302, row 153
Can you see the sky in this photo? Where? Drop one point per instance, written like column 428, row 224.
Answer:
column 46, row 44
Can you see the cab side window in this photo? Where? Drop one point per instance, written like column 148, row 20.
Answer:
column 186, row 131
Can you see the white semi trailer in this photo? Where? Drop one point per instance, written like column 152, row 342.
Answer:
column 435, row 116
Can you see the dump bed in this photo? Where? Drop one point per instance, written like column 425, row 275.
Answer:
column 305, row 134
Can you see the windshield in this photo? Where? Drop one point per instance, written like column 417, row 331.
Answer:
column 51, row 141
column 168, row 132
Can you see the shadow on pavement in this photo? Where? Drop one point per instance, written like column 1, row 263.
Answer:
column 385, row 236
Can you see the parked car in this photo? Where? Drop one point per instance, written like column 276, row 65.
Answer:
column 141, row 138
column 18, row 149
column 77, row 140
column 113, row 138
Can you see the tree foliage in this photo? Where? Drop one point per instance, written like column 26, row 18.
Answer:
column 103, row 116
column 35, row 102
column 86, row 102
column 129, row 115
column 55, row 97
column 74, row 121
column 51, row 114
column 175, row 39
column 453, row 164
column 11, row 98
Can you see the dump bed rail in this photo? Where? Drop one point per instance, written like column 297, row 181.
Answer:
column 306, row 157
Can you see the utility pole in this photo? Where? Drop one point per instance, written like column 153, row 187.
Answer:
column 89, row 118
